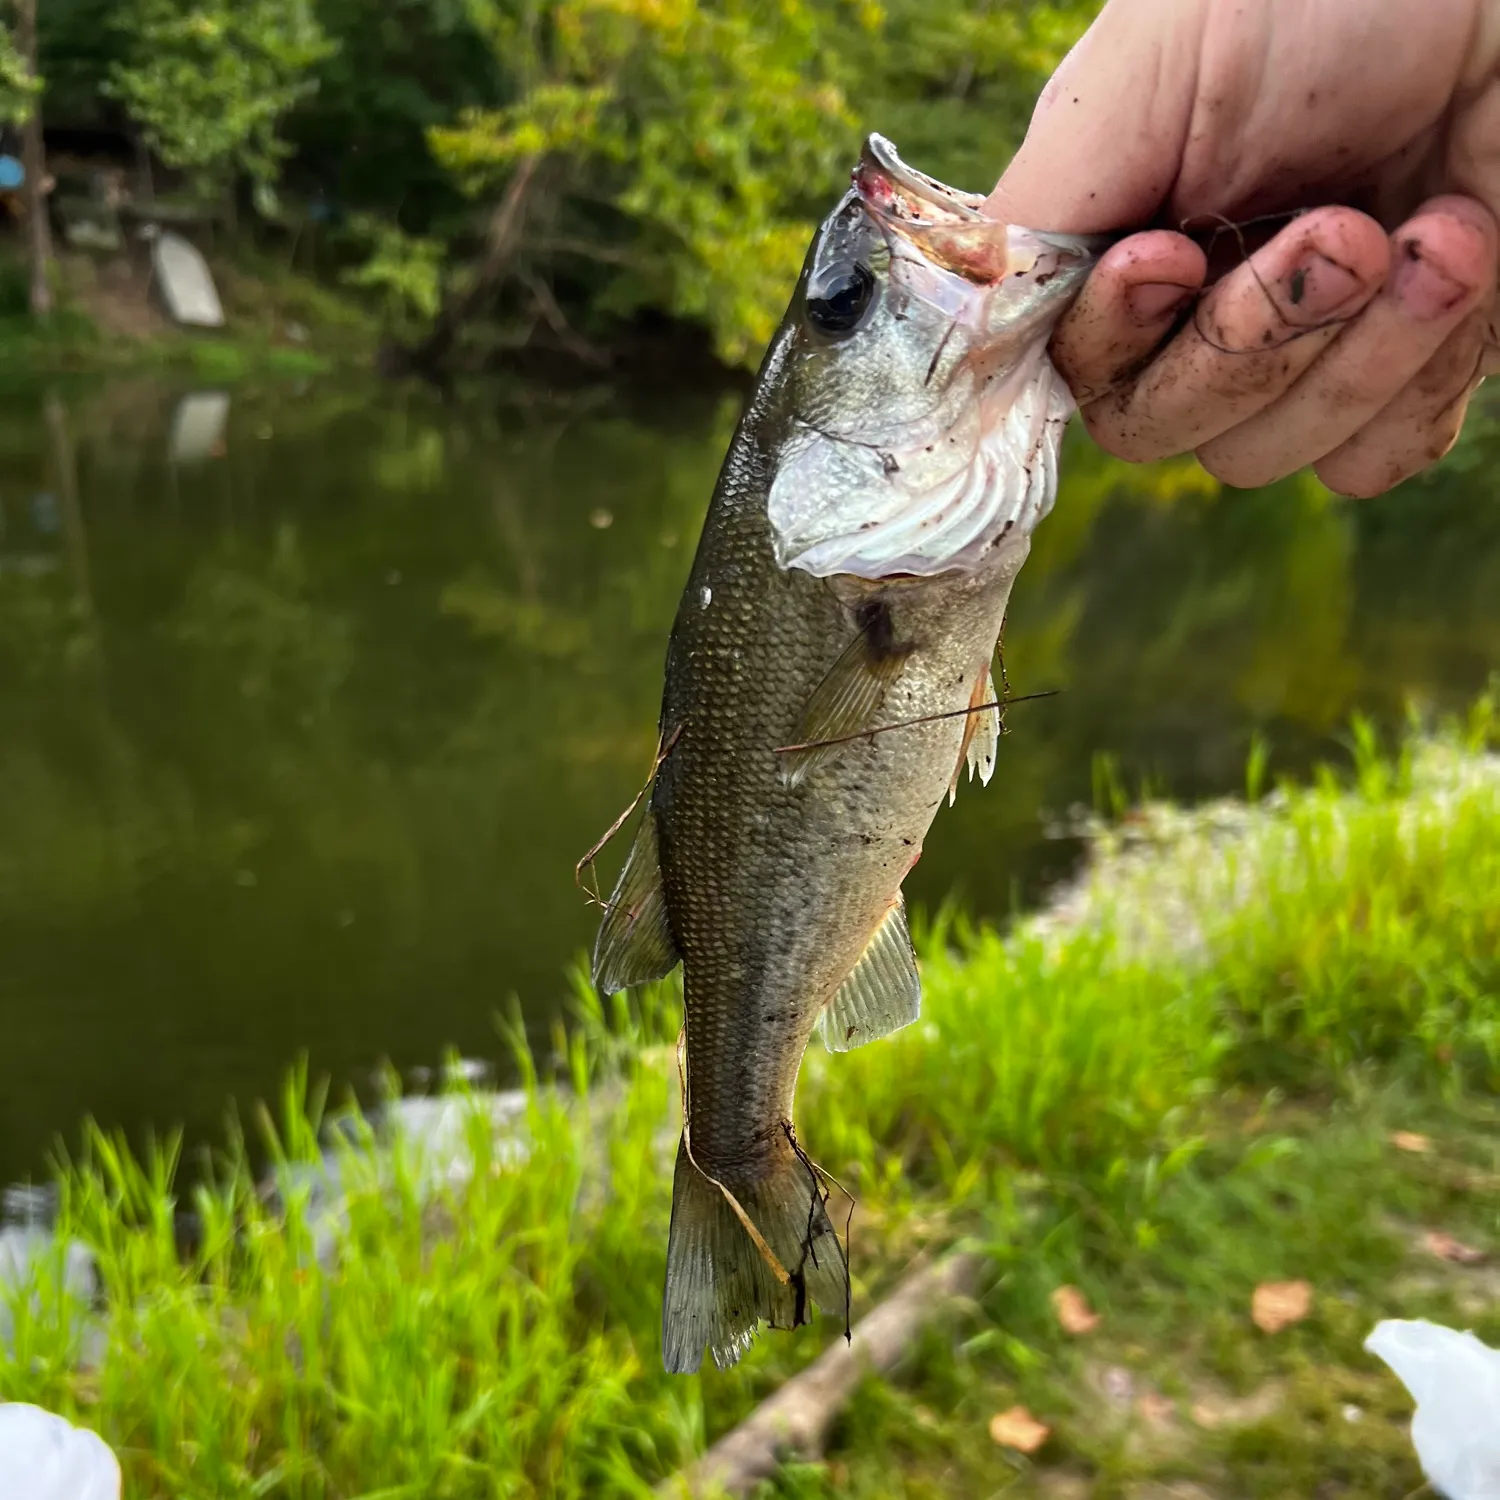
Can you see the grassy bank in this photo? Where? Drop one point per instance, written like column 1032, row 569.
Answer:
column 109, row 321
column 1179, row 1083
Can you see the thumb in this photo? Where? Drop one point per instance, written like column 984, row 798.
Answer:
column 1106, row 140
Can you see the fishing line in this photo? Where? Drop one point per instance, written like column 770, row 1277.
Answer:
column 1227, row 225
column 958, row 713
column 778, row 1270
column 587, row 862
column 817, row 1172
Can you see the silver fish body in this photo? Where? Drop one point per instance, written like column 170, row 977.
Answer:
column 825, row 686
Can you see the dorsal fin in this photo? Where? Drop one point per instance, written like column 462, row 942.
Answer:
column 635, row 940
column 883, row 992
column 849, row 696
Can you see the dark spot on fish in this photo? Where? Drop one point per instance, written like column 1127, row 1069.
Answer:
column 874, row 619
column 1297, row 285
column 847, row 1034
column 888, row 464
column 1045, row 277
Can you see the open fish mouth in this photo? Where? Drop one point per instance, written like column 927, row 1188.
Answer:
column 950, row 227
column 925, row 432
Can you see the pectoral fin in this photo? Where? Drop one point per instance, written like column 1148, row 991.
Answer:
column 635, row 941
column 882, row 994
column 847, row 699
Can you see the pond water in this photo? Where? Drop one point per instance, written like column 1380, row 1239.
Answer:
column 310, row 699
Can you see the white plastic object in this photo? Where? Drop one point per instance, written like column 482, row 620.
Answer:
column 44, row 1457
column 1455, row 1380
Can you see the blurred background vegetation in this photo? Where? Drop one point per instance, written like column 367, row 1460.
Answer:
column 563, row 173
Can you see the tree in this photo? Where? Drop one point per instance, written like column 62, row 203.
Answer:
column 210, row 81
column 696, row 135
column 20, row 91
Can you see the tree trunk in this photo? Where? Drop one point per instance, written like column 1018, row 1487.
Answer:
column 502, row 236
column 34, row 160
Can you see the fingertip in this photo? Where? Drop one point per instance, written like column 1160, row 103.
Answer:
column 1445, row 258
column 1129, row 305
column 1154, row 255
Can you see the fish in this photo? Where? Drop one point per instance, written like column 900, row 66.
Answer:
column 828, row 678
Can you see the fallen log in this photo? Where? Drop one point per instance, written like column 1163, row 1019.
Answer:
column 794, row 1423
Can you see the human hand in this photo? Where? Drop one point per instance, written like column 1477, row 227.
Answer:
column 1353, row 338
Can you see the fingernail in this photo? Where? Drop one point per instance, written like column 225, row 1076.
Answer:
column 1422, row 287
column 1317, row 286
column 1151, row 301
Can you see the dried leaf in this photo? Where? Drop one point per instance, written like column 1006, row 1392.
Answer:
column 1409, row 1140
column 1279, row 1304
column 1073, row 1311
column 1018, row 1429
column 1157, row 1409
column 1205, row 1415
column 1445, row 1247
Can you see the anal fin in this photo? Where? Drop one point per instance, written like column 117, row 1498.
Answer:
column 635, row 940
column 981, row 741
column 883, row 992
column 848, row 698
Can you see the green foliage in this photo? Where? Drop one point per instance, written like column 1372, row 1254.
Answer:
column 405, row 270
column 708, row 127
column 688, row 146
column 210, row 80
column 17, row 87
column 720, row 132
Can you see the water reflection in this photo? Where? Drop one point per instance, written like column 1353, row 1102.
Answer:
column 309, row 701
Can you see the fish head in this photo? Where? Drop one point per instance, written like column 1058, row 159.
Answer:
column 922, row 411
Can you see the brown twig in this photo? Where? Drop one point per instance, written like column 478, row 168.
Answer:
column 794, row 1423
column 664, row 749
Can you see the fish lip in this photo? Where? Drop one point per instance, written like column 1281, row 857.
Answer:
column 880, row 169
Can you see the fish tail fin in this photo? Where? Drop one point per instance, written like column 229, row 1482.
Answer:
column 721, row 1280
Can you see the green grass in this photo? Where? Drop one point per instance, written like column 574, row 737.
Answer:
column 1180, row 1084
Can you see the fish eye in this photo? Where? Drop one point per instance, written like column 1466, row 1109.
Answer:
column 840, row 297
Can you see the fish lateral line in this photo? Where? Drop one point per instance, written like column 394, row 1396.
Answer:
column 587, row 861
column 957, row 713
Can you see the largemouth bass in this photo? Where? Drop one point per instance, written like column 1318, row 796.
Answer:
column 875, row 505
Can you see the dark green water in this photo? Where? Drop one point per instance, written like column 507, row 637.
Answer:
column 301, row 737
